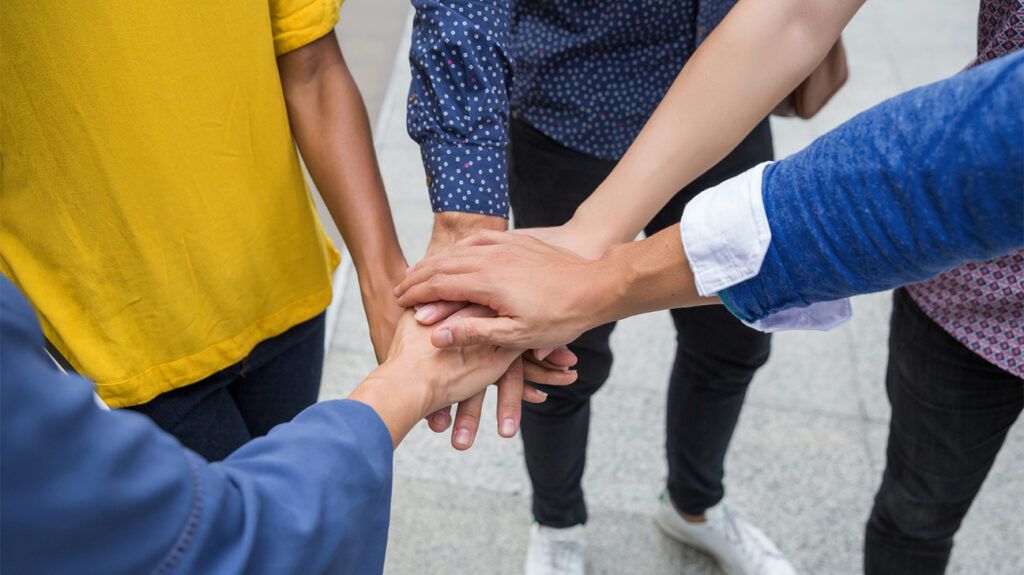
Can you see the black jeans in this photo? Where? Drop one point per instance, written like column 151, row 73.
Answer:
column 951, row 411
column 715, row 359
column 277, row 380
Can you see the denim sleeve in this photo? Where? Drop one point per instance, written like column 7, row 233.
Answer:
column 92, row 491
column 458, row 102
column 910, row 188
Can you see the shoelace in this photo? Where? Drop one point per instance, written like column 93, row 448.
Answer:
column 751, row 547
column 563, row 553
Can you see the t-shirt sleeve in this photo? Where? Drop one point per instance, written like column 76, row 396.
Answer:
column 296, row 23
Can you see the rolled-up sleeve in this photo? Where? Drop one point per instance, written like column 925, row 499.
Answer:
column 296, row 23
column 725, row 234
column 915, row 186
column 458, row 102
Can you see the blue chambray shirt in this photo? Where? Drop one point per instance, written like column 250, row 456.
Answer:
column 586, row 73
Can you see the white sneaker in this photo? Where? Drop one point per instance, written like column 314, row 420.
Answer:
column 554, row 551
column 737, row 546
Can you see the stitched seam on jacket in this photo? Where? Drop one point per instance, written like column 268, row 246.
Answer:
column 184, row 541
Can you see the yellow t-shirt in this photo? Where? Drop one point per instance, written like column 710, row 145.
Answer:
column 153, row 208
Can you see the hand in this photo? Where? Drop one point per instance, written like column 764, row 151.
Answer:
column 450, row 227
column 570, row 237
column 512, row 391
column 545, row 296
column 418, row 379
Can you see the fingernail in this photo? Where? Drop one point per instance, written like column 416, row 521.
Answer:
column 446, row 337
column 441, row 418
column 424, row 313
column 508, row 427
column 397, row 290
column 543, row 394
column 462, row 436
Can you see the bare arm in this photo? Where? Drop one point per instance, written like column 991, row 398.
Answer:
column 331, row 128
column 759, row 53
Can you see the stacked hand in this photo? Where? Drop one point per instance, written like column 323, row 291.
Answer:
column 539, row 292
column 418, row 378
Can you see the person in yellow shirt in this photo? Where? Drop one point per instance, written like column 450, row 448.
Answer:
column 182, row 265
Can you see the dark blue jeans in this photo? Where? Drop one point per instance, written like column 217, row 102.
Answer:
column 951, row 411
column 277, row 380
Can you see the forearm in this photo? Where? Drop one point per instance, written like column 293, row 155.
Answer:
column 758, row 54
column 333, row 134
column 640, row 277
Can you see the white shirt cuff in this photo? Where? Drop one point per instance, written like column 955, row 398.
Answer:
column 726, row 235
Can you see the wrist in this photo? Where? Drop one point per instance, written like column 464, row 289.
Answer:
column 450, row 227
column 613, row 277
column 384, row 274
column 398, row 402
column 593, row 234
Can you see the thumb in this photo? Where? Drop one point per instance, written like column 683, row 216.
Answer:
column 461, row 332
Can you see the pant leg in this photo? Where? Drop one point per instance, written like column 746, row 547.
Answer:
column 951, row 411
column 202, row 416
column 546, row 183
column 281, row 377
column 716, row 358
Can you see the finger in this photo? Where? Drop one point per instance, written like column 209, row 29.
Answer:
column 463, row 287
column 562, row 357
column 440, row 420
column 460, row 332
column 448, row 264
column 533, row 395
column 467, row 421
column 510, row 399
column 548, row 376
column 542, row 353
column 431, row 313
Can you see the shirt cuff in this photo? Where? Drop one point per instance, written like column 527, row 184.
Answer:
column 725, row 234
column 466, row 178
column 820, row 316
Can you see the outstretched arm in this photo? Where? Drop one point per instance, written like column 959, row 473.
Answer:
column 111, row 491
column 753, row 59
column 917, row 185
column 330, row 126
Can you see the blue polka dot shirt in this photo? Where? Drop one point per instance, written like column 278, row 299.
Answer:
column 587, row 73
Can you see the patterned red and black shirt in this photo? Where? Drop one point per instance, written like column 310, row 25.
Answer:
column 982, row 304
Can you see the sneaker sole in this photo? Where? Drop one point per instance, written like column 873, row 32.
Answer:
column 668, row 529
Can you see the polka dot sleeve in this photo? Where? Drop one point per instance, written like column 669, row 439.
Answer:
column 458, row 102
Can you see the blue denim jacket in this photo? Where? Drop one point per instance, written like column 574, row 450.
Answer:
column 912, row 187
column 91, row 491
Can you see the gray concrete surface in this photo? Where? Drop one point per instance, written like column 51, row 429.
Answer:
column 809, row 449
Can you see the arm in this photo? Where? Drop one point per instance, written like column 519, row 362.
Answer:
column 333, row 134
column 758, row 54
column 910, row 188
column 923, row 182
column 110, row 491
column 458, row 113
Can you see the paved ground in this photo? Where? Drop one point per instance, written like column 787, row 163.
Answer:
column 808, row 453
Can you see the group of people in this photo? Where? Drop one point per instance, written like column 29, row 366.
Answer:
column 159, row 242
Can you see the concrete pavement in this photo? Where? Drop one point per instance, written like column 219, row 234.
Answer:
column 809, row 449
